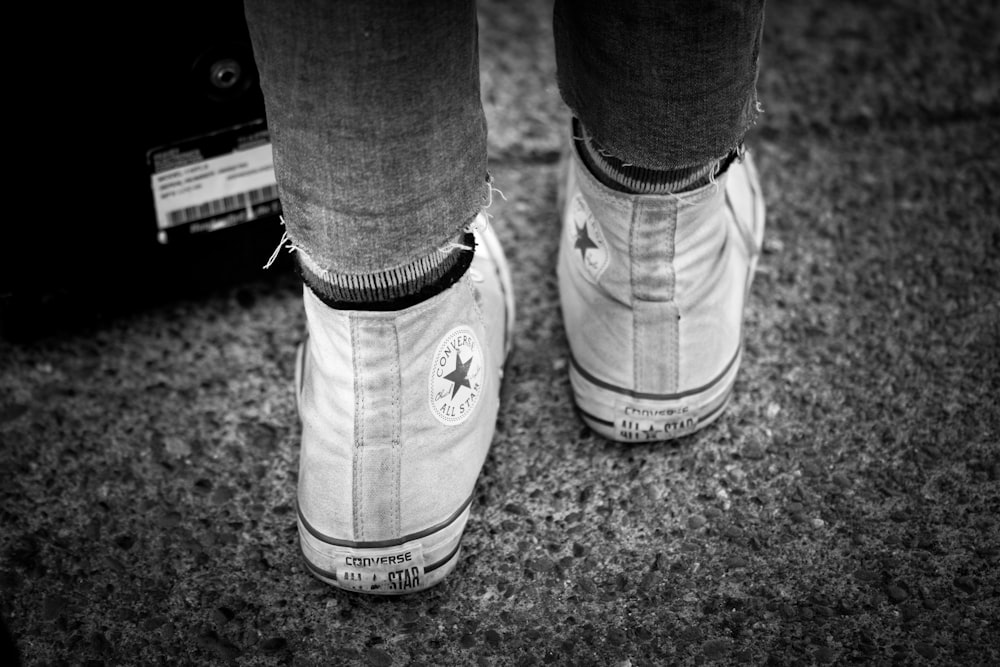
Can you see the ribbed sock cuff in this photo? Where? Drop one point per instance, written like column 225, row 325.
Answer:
column 634, row 179
column 393, row 289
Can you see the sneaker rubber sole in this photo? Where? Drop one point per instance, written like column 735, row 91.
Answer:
column 670, row 416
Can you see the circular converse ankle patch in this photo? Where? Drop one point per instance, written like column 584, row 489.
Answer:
column 457, row 375
column 586, row 238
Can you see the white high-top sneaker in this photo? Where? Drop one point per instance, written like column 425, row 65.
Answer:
column 652, row 289
column 398, row 410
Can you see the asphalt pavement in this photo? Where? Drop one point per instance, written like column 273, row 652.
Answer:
column 844, row 511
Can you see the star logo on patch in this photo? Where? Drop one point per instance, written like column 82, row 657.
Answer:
column 583, row 241
column 457, row 362
column 460, row 376
column 583, row 233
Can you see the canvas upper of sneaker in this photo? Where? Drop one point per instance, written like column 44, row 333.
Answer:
column 652, row 287
column 398, row 408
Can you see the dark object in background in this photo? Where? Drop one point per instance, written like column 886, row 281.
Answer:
column 8, row 649
column 123, row 147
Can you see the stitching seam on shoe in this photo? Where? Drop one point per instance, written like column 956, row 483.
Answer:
column 651, row 327
column 397, row 427
column 480, row 316
column 377, row 462
column 356, row 455
column 675, row 343
column 633, row 263
column 746, row 233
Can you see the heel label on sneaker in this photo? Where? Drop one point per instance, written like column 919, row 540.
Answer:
column 397, row 569
column 638, row 423
column 586, row 238
column 456, row 377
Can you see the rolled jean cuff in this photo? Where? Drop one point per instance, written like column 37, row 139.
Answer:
column 377, row 125
column 661, row 85
column 340, row 240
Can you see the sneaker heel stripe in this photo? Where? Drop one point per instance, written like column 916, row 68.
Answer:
column 653, row 396
column 747, row 234
column 444, row 561
column 382, row 544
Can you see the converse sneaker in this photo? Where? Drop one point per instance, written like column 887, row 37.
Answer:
column 652, row 289
column 398, row 410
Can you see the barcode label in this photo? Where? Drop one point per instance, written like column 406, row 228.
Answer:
column 224, row 190
column 222, row 205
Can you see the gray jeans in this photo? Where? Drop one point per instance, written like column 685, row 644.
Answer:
column 378, row 130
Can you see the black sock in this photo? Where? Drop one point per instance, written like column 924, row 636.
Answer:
column 393, row 289
column 633, row 179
